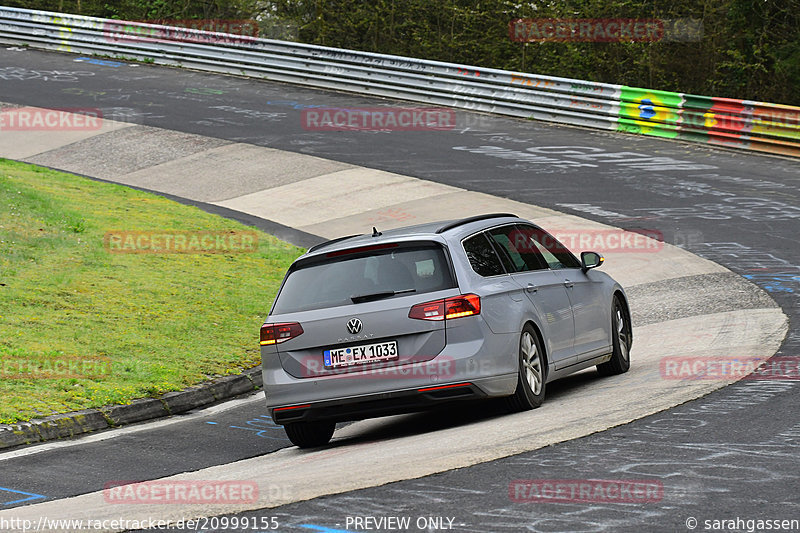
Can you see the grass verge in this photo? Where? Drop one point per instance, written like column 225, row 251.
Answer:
column 85, row 324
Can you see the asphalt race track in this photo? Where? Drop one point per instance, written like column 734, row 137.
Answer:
column 732, row 454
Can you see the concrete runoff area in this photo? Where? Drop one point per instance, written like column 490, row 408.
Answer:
column 23, row 144
column 330, row 199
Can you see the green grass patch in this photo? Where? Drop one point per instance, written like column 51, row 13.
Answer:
column 82, row 326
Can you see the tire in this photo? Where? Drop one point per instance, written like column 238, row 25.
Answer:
column 531, row 374
column 309, row 434
column 621, row 337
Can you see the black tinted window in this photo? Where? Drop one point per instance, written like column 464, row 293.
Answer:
column 482, row 257
column 334, row 282
column 518, row 249
column 554, row 253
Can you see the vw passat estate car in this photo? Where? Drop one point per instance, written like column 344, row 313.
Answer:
column 385, row 323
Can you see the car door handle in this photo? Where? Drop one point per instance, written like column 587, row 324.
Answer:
column 531, row 288
column 568, row 284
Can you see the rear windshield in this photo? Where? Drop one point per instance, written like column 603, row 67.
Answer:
column 376, row 275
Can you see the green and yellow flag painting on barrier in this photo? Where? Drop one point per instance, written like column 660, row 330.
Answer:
column 649, row 112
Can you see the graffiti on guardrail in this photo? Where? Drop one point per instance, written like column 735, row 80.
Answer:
column 236, row 27
column 531, row 82
column 368, row 59
column 750, row 125
column 587, row 87
column 208, row 31
column 469, row 72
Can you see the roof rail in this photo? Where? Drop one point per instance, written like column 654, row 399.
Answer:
column 332, row 241
column 463, row 221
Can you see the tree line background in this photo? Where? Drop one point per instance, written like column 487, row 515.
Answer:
column 749, row 49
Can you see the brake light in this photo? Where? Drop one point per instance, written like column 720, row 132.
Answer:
column 447, row 309
column 441, row 387
column 466, row 305
column 362, row 249
column 278, row 333
column 292, row 407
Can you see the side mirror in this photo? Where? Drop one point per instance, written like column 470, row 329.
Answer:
column 591, row 260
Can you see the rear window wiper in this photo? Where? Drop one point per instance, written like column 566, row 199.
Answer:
column 378, row 295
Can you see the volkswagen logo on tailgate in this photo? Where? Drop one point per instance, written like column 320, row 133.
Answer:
column 354, row 325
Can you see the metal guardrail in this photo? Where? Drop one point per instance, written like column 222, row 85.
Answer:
column 735, row 123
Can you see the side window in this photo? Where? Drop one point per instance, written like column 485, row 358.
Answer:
column 555, row 254
column 552, row 260
column 482, row 257
column 518, row 249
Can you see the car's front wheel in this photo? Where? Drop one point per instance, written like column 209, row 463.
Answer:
column 621, row 337
column 531, row 375
column 309, row 434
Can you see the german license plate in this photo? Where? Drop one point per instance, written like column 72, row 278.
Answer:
column 359, row 355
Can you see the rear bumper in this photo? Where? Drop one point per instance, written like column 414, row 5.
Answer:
column 375, row 405
column 413, row 397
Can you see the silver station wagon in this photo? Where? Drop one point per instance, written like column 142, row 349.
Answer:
column 404, row 320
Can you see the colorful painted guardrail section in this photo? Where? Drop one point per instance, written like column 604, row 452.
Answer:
column 761, row 126
column 743, row 124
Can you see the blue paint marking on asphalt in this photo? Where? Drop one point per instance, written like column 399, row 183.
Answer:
column 101, row 62
column 774, row 282
column 31, row 496
column 323, row 529
column 214, row 423
column 262, row 425
column 262, row 433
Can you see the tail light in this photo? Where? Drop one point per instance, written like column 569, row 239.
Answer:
column 447, row 309
column 278, row 333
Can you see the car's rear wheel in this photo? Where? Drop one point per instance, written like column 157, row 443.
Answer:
column 531, row 375
column 309, row 434
column 621, row 337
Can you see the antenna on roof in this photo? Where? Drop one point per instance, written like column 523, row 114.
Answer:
column 375, row 232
